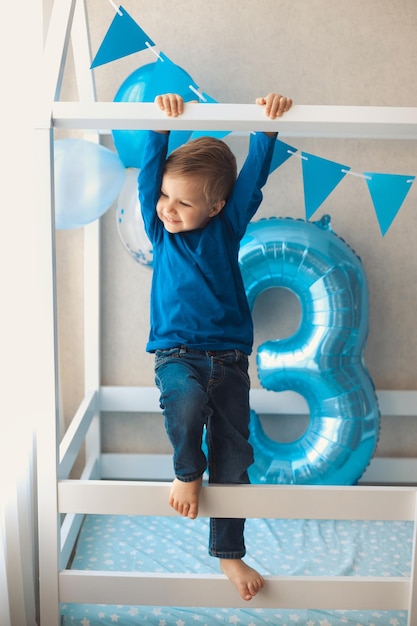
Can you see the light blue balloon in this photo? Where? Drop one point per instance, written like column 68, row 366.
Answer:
column 88, row 178
column 323, row 361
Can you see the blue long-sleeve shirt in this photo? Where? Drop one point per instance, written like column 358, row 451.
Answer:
column 198, row 298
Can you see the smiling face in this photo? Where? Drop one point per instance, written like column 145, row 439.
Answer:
column 183, row 205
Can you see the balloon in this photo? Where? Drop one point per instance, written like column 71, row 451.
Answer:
column 129, row 220
column 88, row 178
column 140, row 86
column 323, row 360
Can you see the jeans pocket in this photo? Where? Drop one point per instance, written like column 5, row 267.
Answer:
column 242, row 366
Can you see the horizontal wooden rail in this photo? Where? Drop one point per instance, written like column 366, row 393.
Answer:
column 301, row 592
column 146, row 399
column 266, row 501
column 301, row 121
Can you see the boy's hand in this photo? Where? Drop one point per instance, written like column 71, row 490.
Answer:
column 171, row 103
column 275, row 104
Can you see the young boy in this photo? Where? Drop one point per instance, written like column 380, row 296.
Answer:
column 196, row 211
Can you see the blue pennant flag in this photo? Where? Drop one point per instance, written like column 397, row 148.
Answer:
column 320, row 177
column 388, row 192
column 282, row 152
column 168, row 77
column 123, row 37
column 209, row 133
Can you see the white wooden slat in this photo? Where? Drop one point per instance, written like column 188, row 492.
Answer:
column 402, row 402
column 146, row 399
column 391, row 471
column 301, row 592
column 44, row 403
column 130, row 399
column 119, row 466
column 54, row 58
column 412, row 604
column 81, row 52
column 76, row 432
column 71, row 523
column 300, row 121
column 70, row 529
column 252, row 501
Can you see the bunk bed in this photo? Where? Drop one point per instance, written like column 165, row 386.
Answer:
column 116, row 492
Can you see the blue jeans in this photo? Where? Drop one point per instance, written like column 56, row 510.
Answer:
column 208, row 389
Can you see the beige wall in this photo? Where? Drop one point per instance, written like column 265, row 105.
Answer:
column 361, row 52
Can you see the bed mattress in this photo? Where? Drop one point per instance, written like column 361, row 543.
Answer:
column 278, row 547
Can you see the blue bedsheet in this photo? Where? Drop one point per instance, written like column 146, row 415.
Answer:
column 279, row 547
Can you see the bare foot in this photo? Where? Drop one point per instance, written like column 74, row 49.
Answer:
column 246, row 579
column 183, row 497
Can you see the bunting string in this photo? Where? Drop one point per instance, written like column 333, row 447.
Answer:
column 115, row 7
column 152, row 49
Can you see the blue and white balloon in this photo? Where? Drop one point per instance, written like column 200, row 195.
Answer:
column 129, row 221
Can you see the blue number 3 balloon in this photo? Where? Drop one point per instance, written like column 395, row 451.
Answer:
column 323, row 361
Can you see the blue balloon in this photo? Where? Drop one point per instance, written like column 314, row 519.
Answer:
column 323, row 361
column 140, row 86
column 88, row 178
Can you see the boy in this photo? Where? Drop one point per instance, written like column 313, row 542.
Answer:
column 196, row 211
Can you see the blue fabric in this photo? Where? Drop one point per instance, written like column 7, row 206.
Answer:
column 208, row 389
column 197, row 297
column 277, row 547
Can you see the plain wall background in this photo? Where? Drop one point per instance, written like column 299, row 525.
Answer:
column 319, row 52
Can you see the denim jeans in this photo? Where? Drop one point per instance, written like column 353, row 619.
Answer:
column 208, row 389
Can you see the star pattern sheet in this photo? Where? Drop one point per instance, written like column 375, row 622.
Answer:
column 279, row 547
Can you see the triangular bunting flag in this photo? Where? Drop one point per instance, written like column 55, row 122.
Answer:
column 282, row 152
column 123, row 37
column 388, row 192
column 209, row 133
column 168, row 77
column 320, row 177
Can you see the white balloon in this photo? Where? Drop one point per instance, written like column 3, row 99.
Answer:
column 130, row 224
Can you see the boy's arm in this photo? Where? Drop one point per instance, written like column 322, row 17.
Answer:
column 150, row 177
column 247, row 193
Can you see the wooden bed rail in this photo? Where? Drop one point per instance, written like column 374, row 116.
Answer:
column 144, row 399
column 280, row 592
column 269, row 501
column 107, row 497
column 364, row 122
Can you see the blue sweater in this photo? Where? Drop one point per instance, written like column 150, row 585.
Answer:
column 198, row 298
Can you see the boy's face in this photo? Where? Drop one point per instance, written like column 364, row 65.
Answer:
column 183, row 206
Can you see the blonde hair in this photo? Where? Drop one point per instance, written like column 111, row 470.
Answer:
column 209, row 158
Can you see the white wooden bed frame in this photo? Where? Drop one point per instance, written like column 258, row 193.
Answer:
column 63, row 502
